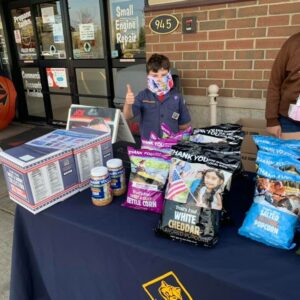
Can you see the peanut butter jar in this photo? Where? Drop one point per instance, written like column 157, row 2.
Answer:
column 117, row 176
column 100, row 186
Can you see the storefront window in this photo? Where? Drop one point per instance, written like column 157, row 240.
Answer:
column 92, row 101
column 127, row 29
column 4, row 64
column 23, row 32
column 50, row 30
column 60, row 106
column 91, row 82
column 86, row 29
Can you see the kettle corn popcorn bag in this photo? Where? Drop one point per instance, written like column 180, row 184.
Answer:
column 153, row 136
column 226, row 133
column 273, row 216
column 193, row 198
column 149, row 172
column 161, row 145
column 181, row 135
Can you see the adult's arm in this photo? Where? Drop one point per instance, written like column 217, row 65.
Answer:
column 278, row 74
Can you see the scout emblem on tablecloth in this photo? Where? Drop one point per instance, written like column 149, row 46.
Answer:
column 166, row 287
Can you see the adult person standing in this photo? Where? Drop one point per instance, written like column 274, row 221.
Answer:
column 283, row 90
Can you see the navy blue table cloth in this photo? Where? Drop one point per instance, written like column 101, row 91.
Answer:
column 77, row 251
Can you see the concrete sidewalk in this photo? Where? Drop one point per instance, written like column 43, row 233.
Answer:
column 7, row 209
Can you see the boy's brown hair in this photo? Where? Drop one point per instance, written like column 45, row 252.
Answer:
column 157, row 62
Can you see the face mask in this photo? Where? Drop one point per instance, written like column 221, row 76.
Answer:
column 160, row 87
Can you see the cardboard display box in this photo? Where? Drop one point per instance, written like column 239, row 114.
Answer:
column 39, row 177
column 90, row 148
column 248, row 161
column 93, row 153
column 251, row 127
column 54, row 166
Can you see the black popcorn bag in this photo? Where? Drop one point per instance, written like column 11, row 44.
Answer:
column 223, row 133
column 193, row 198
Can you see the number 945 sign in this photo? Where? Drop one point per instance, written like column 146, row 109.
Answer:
column 164, row 24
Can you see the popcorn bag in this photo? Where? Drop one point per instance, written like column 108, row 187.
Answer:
column 193, row 199
column 223, row 133
column 149, row 172
column 273, row 216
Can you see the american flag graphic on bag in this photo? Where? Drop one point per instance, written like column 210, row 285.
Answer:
column 176, row 186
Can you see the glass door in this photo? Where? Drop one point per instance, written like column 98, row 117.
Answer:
column 52, row 35
column 67, row 53
column 40, row 44
column 89, row 52
column 61, row 55
column 26, row 54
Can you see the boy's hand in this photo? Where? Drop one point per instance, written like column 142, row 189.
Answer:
column 129, row 96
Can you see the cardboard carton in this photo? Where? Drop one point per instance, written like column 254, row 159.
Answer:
column 91, row 148
column 39, row 177
column 90, row 154
column 54, row 166
column 248, row 161
column 251, row 127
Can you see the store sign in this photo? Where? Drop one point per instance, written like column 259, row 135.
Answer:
column 24, row 35
column 32, row 84
column 58, row 35
column 87, row 47
column 57, row 77
column 23, row 20
column 164, row 24
column 48, row 15
column 87, row 32
column 17, row 34
column 126, row 24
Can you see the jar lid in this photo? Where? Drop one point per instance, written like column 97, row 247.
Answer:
column 99, row 171
column 114, row 163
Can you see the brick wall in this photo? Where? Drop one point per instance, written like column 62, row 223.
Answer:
column 234, row 47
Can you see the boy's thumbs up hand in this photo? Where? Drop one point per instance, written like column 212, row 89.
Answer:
column 129, row 95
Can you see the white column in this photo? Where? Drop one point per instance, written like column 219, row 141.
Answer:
column 213, row 90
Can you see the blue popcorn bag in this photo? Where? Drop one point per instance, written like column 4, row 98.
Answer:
column 272, row 141
column 273, row 217
column 270, row 226
column 287, row 148
column 283, row 163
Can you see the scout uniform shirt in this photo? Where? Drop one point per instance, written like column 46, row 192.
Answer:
column 152, row 112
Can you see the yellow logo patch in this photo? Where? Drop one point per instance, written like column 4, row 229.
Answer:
column 166, row 287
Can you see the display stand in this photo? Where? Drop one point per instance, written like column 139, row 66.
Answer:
column 93, row 116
